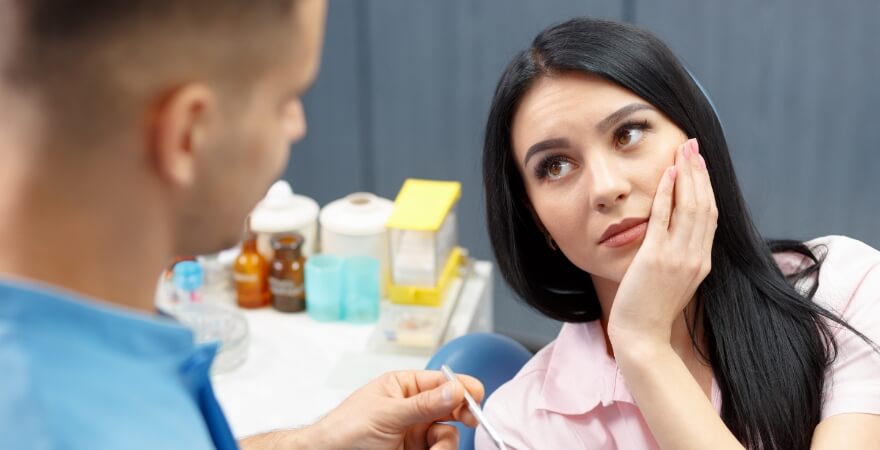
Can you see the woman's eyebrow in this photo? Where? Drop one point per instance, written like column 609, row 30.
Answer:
column 545, row 145
column 605, row 124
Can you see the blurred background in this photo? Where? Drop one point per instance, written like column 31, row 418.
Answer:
column 405, row 87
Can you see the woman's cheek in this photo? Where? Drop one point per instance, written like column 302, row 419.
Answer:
column 658, row 168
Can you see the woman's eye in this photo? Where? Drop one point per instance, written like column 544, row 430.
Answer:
column 554, row 168
column 629, row 136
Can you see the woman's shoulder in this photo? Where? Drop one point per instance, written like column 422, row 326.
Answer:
column 522, row 389
column 518, row 409
column 849, row 285
column 850, row 271
column 512, row 404
column 846, row 264
column 840, row 250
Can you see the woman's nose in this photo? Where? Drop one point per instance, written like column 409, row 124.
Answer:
column 608, row 184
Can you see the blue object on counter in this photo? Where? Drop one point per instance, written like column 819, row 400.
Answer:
column 188, row 279
column 325, row 287
column 188, row 275
column 362, row 289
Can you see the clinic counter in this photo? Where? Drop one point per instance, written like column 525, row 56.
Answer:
column 298, row 369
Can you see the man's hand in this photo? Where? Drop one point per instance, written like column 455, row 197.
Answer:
column 399, row 410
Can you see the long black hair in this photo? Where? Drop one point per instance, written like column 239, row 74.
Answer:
column 765, row 339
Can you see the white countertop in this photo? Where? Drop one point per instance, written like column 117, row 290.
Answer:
column 298, row 369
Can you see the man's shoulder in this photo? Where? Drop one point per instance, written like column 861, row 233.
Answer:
column 77, row 377
column 22, row 422
column 84, row 401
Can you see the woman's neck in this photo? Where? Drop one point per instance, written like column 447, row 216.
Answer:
column 680, row 339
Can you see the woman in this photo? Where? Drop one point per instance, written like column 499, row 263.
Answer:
column 613, row 206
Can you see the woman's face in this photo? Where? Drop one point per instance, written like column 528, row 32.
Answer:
column 591, row 155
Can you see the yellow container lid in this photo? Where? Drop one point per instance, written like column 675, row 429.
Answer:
column 423, row 204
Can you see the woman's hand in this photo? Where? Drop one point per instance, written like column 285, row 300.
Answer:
column 676, row 254
column 673, row 260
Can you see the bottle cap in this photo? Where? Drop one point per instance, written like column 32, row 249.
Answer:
column 282, row 210
column 358, row 214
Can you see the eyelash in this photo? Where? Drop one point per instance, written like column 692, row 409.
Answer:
column 641, row 125
column 542, row 169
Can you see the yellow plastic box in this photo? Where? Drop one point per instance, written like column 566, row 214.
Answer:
column 422, row 241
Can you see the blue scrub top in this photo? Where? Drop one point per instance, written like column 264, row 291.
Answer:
column 78, row 374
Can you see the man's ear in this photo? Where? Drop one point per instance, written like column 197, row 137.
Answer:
column 178, row 127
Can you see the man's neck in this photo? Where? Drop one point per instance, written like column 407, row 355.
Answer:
column 108, row 244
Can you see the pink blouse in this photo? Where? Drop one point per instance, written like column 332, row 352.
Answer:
column 571, row 395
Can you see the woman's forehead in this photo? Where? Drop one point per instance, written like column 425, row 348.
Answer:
column 569, row 100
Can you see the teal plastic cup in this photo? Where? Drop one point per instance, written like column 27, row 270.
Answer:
column 362, row 289
column 325, row 287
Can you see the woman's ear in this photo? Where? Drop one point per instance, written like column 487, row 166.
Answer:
column 178, row 128
column 535, row 217
column 550, row 241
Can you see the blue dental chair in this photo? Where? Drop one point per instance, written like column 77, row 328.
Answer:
column 492, row 358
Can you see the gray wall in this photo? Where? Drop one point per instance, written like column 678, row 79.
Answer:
column 405, row 87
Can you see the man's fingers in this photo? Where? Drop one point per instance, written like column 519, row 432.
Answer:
column 442, row 437
column 429, row 397
column 464, row 415
column 416, row 381
column 416, row 437
column 430, row 406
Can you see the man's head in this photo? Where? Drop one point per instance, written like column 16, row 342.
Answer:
column 191, row 102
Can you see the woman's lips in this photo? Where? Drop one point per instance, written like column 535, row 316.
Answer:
column 626, row 236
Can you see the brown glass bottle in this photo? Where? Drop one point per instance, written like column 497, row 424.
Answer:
column 286, row 275
column 251, row 275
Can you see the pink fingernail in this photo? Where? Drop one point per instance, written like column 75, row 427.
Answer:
column 673, row 171
column 686, row 151
column 695, row 147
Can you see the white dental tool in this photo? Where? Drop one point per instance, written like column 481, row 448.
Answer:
column 474, row 407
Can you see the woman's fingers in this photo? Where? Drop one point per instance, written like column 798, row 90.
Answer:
column 712, row 222
column 702, row 198
column 661, row 208
column 685, row 211
column 684, row 215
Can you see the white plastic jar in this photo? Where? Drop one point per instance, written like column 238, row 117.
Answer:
column 282, row 211
column 355, row 226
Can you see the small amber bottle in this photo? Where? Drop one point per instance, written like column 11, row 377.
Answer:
column 286, row 276
column 251, row 274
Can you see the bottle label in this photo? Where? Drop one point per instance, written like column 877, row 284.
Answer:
column 285, row 288
column 245, row 277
